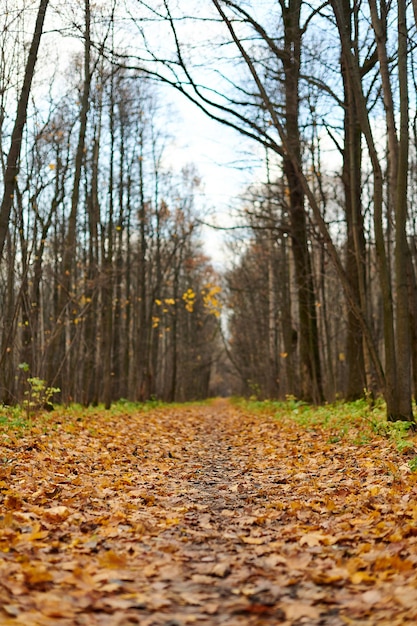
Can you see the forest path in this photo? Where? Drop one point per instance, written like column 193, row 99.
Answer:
column 203, row 515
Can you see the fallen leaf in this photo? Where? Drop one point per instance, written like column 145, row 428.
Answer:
column 373, row 596
column 56, row 514
column 112, row 560
column 297, row 610
column 406, row 596
column 254, row 541
column 221, row 570
column 315, row 539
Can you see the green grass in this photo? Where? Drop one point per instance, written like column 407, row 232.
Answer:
column 412, row 464
column 14, row 419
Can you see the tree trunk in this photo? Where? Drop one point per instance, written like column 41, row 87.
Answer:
column 310, row 371
column 12, row 167
column 357, row 381
column 404, row 408
column 59, row 349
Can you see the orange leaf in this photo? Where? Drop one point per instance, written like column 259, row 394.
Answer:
column 112, row 560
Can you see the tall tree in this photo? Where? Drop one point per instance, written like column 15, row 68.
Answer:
column 309, row 340
column 359, row 377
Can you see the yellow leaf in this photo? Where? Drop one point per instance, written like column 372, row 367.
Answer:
column 361, row 577
column 393, row 563
column 12, row 501
column 36, row 574
column 112, row 560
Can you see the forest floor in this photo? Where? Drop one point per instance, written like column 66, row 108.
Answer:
column 203, row 514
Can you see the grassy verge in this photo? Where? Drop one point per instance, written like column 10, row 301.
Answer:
column 355, row 422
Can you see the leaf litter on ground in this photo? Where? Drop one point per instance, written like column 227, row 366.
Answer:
column 203, row 514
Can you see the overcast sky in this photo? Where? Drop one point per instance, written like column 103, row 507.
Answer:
column 226, row 162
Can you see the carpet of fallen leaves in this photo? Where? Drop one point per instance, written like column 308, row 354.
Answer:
column 203, row 515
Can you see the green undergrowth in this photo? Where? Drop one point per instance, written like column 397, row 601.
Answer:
column 14, row 419
column 354, row 422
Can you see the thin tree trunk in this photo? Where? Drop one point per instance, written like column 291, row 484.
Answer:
column 143, row 357
column 108, row 270
column 92, row 345
column 310, row 374
column 404, row 409
column 60, row 348
column 358, row 377
column 12, row 167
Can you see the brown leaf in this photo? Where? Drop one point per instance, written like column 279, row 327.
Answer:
column 254, row 541
column 221, row 570
column 317, row 538
column 36, row 575
column 297, row 610
column 56, row 514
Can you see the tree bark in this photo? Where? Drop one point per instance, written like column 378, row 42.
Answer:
column 404, row 408
column 358, row 379
column 310, row 373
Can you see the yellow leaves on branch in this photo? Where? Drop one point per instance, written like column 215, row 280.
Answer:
column 209, row 295
column 189, row 298
column 165, row 301
column 210, row 299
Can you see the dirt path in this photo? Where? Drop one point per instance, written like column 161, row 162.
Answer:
column 203, row 515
